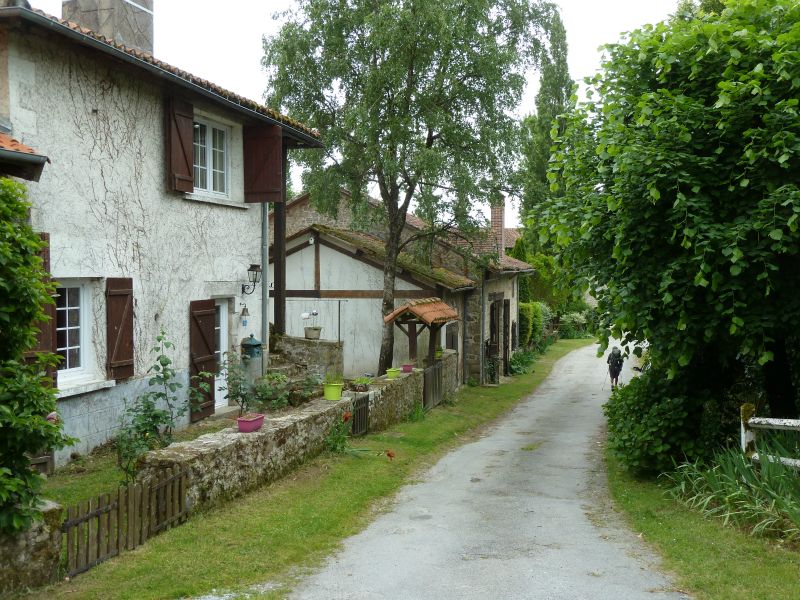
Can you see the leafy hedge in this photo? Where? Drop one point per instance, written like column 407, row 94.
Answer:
column 26, row 397
column 653, row 423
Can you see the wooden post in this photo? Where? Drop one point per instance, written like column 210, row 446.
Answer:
column 412, row 342
column 748, row 435
column 280, row 255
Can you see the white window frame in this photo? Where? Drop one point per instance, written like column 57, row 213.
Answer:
column 210, row 126
column 87, row 371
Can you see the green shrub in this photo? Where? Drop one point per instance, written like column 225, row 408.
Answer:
column 525, row 323
column 271, row 392
column 573, row 325
column 144, row 425
column 547, row 316
column 521, row 362
column 653, row 423
column 26, row 397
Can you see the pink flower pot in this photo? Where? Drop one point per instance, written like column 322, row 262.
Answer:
column 250, row 423
column 408, row 368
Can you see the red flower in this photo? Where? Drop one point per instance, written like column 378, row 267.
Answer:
column 347, row 416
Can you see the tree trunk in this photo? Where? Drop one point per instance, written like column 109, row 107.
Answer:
column 781, row 393
column 389, row 272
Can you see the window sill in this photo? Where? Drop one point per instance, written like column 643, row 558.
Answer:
column 78, row 388
column 209, row 199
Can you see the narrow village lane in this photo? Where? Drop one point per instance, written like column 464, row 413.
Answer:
column 520, row 513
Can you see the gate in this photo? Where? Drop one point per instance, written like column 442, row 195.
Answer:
column 361, row 414
column 432, row 389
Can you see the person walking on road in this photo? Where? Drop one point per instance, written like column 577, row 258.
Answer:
column 614, row 361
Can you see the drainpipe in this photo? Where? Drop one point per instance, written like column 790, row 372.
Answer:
column 465, row 303
column 264, row 288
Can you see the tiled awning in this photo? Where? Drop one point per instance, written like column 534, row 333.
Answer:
column 430, row 311
column 19, row 160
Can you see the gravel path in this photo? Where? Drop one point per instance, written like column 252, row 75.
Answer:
column 522, row 512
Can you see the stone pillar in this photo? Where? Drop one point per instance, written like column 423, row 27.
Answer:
column 30, row 559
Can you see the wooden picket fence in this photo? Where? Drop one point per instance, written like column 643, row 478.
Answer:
column 99, row 529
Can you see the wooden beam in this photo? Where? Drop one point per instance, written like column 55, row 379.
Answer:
column 354, row 294
column 317, row 277
column 280, row 255
column 412, row 341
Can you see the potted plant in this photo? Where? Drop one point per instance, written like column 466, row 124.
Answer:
column 239, row 392
column 312, row 332
column 392, row 373
column 408, row 367
column 332, row 386
column 438, row 353
column 361, row 384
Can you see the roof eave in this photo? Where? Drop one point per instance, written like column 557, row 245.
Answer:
column 21, row 164
column 306, row 140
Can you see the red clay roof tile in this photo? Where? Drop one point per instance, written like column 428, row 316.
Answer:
column 149, row 58
column 12, row 145
column 428, row 310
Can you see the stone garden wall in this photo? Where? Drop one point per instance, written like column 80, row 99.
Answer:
column 31, row 559
column 450, row 381
column 227, row 464
column 391, row 402
column 317, row 356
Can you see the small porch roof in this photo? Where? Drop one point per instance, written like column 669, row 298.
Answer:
column 19, row 160
column 430, row 311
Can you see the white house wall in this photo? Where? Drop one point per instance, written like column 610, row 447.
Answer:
column 103, row 200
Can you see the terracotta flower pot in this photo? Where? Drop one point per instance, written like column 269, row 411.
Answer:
column 250, row 422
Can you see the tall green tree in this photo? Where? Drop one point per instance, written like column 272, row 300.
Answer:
column 413, row 98
column 681, row 199
column 552, row 102
column 26, row 397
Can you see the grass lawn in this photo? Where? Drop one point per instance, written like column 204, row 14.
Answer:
column 710, row 560
column 97, row 473
column 274, row 533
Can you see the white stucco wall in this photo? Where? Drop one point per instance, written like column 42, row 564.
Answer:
column 104, row 201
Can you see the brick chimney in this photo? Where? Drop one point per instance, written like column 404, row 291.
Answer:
column 124, row 21
column 499, row 227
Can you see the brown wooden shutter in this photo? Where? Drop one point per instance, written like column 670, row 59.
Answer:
column 119, row 327
column 263, row 163
column 202, row 345
column 46, row 338
column 180, row 145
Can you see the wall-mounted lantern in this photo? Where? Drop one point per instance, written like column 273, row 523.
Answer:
column 253, row 276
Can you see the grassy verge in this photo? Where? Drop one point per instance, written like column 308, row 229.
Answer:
column 97, row 473
column 274, row 533
column 710, row 560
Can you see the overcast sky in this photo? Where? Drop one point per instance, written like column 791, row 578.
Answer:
column 221, row 40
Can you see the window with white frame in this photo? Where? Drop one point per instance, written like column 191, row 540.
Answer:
column 73, row 326
column 211, row 157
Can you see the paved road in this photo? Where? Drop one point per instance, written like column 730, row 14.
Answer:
column 520, row 513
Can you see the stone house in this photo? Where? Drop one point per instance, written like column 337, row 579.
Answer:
column 483, row 291
column 152, row 201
